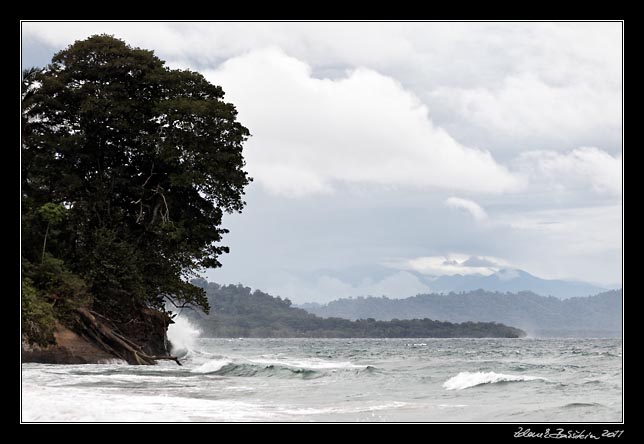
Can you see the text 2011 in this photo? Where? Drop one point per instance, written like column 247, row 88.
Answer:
column 566, row 434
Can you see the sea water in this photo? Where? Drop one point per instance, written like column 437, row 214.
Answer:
column 338, row 380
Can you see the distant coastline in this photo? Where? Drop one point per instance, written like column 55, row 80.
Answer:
column 599, row 315
column 236, row 311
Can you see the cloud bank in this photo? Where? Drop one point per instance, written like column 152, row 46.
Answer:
column 362, row 128
column 453, row 264
column 581, row 168
column 409, row 140
column 469, row 206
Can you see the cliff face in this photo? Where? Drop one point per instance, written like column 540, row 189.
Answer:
column 93, row 340
column 70, row 348
column 149, row 331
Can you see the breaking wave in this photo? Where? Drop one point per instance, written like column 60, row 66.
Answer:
column 466, row 380
column 305, row 369
column 227, row 368
column 182, row 335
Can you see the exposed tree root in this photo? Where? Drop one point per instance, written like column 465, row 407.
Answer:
column 108, row 338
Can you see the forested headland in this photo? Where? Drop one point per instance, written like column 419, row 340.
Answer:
column 237, row 311
column 127, row 167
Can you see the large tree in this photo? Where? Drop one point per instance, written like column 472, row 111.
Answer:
column 127, row 168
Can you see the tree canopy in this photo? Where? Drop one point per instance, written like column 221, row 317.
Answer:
column 240, row 312
column 127, row 169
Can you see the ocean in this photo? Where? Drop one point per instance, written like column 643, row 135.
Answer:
column 339, row 380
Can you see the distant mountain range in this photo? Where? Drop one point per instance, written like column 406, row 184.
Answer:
column 591, row 316
column 377, row 280
column 512, row 280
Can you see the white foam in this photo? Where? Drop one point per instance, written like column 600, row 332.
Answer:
column 211, row 366
column 78, row 405
column 114, row 361
column 468, row 379
column 309, row 364
column 346, row 409
column 183, row 335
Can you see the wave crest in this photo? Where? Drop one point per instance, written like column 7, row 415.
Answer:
column 305, row 369
column 247, row 370
column 466, row 380
column 211, row 366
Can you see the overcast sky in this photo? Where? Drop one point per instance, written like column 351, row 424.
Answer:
column 383, row 148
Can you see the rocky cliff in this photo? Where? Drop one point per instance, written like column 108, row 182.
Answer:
column 93, row 339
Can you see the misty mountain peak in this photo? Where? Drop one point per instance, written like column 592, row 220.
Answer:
column 508, row 274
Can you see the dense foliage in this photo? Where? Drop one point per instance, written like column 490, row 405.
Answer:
column 239, row 312
column 127, row 168
column 596, row 316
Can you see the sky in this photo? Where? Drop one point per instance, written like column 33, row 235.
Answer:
column 382, row 150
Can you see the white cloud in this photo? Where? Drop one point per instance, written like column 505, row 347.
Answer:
column 471, row 207
column 319, row 43
column 400, row 107
column 454, row 263
column 326, row 288
column 362, row 128
column 580, row 168
column 510, row 84
column 286, row 180
column 527, row 105
column 477, row 261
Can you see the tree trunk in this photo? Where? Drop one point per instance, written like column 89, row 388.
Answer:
column 113, row 342
column 44, row 244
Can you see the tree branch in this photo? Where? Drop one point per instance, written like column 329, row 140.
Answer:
column 113, row 342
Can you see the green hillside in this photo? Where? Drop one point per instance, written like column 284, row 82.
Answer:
column 236, row 311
